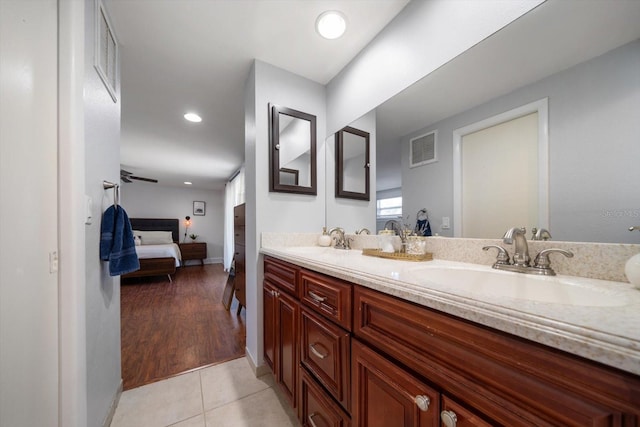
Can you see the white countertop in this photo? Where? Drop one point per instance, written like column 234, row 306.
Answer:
column 608, row 333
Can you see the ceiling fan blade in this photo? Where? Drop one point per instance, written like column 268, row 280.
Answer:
column 139, row 178
column 124, row 172
column 125, row 179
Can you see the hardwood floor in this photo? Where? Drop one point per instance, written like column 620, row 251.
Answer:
column 169, row 328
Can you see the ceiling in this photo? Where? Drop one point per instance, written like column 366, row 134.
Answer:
column 195, row 55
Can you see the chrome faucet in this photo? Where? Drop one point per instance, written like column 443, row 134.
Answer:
column 521, row 254
column 400, row 231
column 342, row 242
column 542, row 265
column 542, row 234
column 363, row 231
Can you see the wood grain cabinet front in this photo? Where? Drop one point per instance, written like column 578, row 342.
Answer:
column 281, row 312
column 316, row 409
column 191, row 251
column 387, row 396
column 325, row 352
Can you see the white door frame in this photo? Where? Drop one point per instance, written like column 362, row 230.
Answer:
column 542, row 108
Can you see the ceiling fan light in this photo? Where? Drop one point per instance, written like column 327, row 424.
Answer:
column 193, row 117
column 188, row 183
column 331, row 24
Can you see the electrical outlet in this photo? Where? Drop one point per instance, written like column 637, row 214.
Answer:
column 53, row 262
column 446, row 223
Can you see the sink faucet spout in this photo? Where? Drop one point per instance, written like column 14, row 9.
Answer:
column 521, row 252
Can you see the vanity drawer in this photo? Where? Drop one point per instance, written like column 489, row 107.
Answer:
column 328, row 296
column 325, row 351
column 315, row 408
column 282, row 274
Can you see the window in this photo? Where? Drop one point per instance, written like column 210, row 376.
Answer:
column 388, row 208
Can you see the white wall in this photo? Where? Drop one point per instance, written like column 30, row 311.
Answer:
column 422, row 37
column 102, row 162
column 146, row 200
column 350, row 214
column 28, row 214
column 593, row 150
column 267, row 211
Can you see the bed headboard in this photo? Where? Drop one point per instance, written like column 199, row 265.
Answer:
column 157, row 224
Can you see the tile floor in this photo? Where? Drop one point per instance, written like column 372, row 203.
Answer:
column 225, row 395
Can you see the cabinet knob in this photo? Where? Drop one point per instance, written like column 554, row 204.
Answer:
column 422, row 402
column 449, row 418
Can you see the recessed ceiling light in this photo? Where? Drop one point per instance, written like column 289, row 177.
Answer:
column 331, row 24
column 188, row 183
column 193, row 117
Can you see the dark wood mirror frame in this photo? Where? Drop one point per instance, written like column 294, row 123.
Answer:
column 275, row 184
column 340, row 190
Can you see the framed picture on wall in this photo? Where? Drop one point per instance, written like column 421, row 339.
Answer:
column 199, row 208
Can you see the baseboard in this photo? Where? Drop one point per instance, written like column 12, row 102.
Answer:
column 258, row 371
column 113, row 406
column 216, row 260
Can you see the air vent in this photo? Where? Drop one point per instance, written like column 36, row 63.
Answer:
column 106, row 55
column 422, row 149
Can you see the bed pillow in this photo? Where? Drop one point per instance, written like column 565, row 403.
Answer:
column 154, row 237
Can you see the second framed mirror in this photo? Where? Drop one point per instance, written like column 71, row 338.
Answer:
column 293, row 151
column 352, row 164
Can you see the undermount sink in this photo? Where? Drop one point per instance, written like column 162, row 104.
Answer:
column 555, row 290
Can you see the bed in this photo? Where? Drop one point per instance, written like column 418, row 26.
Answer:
column 161, row 257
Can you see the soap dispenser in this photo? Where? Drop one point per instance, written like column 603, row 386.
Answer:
column 324, row 239
column 632, row 267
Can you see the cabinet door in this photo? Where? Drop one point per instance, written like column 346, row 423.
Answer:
column 240, row 279
column 269, row 293
column 455, row 415
column 385, row 395
column 287, row 312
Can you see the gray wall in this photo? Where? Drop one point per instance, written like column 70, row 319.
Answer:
column 102, row 162
column 146, row 200
column 594, row 147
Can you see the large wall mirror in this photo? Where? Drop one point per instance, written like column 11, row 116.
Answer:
column 352, row 164
column 292, row 137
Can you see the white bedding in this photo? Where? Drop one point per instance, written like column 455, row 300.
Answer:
column 160, row 251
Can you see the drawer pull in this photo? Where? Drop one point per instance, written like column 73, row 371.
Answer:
column 310, row 418
column 449, row 418
column 316, row 297
column 315, row 351
column 422, row 402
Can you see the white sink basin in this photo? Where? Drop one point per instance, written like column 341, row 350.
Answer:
column 555, row 290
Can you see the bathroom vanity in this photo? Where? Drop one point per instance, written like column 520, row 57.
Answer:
column 359, row 341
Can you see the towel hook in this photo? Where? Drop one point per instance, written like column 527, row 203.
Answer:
column 116, row 191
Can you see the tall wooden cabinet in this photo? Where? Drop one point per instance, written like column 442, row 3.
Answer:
column 239, row 255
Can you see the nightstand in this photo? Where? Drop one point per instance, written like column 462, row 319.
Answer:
column 197, row 250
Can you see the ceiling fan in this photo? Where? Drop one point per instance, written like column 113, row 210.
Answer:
column 127, row 176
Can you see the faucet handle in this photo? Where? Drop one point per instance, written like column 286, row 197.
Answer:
column 543, row 264
column 503, row 255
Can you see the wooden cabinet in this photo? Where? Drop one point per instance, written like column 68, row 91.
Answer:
column 315, row 408
column 193, row 251
column 239, row 281
column 387, row 396
column 281, row 317
column 495, row 377
column 372, row 360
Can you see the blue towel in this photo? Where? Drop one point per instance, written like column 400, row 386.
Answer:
column 116, row 242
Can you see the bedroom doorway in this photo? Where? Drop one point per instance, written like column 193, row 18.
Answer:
column 170, row 328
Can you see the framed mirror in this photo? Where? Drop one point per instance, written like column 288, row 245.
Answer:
column 352, row 164
column 292, row 137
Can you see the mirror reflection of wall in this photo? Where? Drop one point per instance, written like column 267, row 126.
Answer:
column 593, row 150
column 293, row 151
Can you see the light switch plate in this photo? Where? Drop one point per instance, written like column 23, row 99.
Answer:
column 446, row 224
column 88, row 209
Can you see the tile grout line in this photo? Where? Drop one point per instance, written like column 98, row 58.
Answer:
column 204, row 417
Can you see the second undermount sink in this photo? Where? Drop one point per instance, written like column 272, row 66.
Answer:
column 554, row 290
